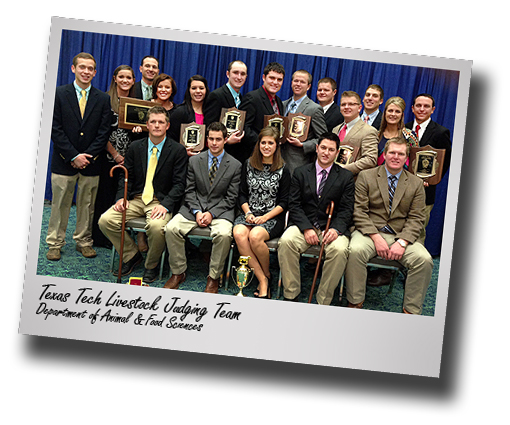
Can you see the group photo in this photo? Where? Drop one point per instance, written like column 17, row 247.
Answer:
column 288, row 177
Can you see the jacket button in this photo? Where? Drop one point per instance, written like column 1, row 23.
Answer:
column 81, row 134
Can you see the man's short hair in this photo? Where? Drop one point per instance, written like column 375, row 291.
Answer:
column 158, row 109
column 328, row 80
column 377, row 88
column 151, row 57
column 350, row 93
column 217, row 126
column 303, row 71
column 330, row 136
column 83, row 55
column 233, row 62
column 275, row 67
column 397, row 141
column 425, row 95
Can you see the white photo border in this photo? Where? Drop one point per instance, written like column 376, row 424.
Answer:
column 289, row 332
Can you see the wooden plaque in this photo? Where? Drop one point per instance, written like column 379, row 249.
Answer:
column 133, row 112
column 193, row 136
column 427, row 162
column 297, row 125
column 276, row 121
column 233, row 119
column 347, row 154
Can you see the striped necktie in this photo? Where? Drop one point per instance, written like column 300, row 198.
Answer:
column 213, row 169
column 322, row 183
column 148, row 190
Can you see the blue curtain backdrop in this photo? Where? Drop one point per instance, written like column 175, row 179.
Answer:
column 182, row 60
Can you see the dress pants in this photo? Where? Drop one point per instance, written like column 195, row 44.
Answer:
column 62, row 197
column 416, row 258
column 290, row 247
column 180, row 226
column 110, row 224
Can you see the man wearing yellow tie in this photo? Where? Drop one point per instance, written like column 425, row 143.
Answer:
column 156, row 182
column 80, row 130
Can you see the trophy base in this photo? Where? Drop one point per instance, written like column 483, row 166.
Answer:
column 240, row 294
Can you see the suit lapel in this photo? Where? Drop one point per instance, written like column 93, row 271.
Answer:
column 400, row 190
column 382, row 183
column 73, row 101
column 355, row 129
column 221, row 170
column 427, row 135
column 144, row 146
column 91, row 102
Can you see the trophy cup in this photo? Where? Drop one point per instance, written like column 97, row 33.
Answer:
column 242, row 273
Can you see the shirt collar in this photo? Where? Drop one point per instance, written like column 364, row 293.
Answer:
column 423, row 125
column 79, row 89
column 219, row 157
column 318, row 168
column 388, row 174
column 351, row 124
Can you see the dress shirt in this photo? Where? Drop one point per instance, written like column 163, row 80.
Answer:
column 318, row 173
column 209, row 164
column 371, row 117
column 79, row 89
column 297, row 102
column 159, row 147
column 351, row 124
column 146, row 91
column 423, row 127
column 325, row 108
column 235, row 95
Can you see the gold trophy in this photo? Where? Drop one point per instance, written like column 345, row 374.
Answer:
column 242, row 273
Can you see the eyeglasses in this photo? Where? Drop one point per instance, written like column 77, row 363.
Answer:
column 350, row 105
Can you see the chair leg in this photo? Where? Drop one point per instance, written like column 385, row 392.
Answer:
column 229, row 266
column 113, row 259
column 279, row 284
column 162, row 265
column 342, row 279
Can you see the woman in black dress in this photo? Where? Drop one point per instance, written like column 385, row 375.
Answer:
column 263, row 197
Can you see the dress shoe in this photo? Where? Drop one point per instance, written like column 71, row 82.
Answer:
column 141, row 241
column 359, row 305
column 86, row 251
column 53, row 254
column 174, row 281
column 379, row 277
column 128, row 266
column 150, row 275
column 291, row 299
column 212, row 285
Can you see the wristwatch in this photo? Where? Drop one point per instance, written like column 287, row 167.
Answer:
column 402, row 243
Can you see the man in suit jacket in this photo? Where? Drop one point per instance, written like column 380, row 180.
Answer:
column 374, row 97
column 260, row 102
column 389, row 212
column 228, row 96
column 211, row 192
column 156, row 198
column 326, row 91
column 80, row 131
column 356, row 133
column 312, row 189
column 429, row 133
column 294, row 152
column 150, row 70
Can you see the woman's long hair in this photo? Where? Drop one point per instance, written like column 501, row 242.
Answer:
column 256, row 157
column 112, row 92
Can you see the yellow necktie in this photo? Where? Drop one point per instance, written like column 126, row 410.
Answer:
column 148, row 190
column 83, row 102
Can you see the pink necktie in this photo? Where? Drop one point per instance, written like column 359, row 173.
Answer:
column 342, row 133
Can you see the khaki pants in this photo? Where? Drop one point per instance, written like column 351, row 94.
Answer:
column 416, row 258
column 290, row 247
column 179, row 227
column 63, row 190
column 110, row 224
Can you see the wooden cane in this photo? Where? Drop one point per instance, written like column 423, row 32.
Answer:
column 329, row 211
column 121, row 253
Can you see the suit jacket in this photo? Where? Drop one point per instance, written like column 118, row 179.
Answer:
column 138, row 94
column 371, row 208
column 169, row 180
column 363, row 136
column 294, row 156
column 220, row 197
column 71, row 134
column 256, row 104
column 333, row 117
column 377, row 122
column 438, row 137
column 218, row 99
column 305, row 207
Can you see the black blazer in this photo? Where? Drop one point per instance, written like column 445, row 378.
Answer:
column 377, row 121
column 438, row 137
column 138, row 94
column 71, row 134
column 218, row 99
column 179, row 115
column 333, row 117
column 256, row 104
column 305, row 207
column 169, row 179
